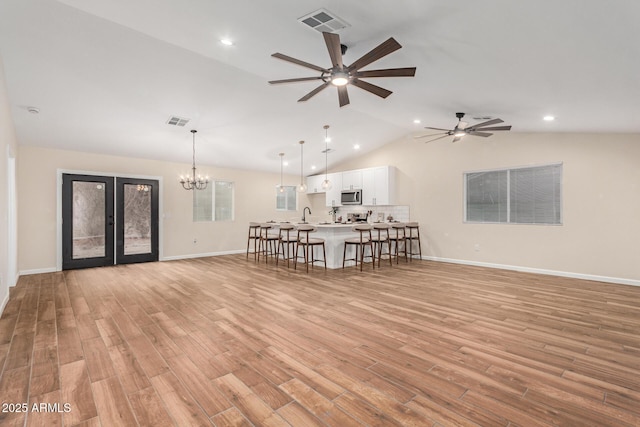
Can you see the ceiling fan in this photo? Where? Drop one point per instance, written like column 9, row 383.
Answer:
column 483, row 129
column 341, row 75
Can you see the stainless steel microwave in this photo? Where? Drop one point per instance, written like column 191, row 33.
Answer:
column 351, row 197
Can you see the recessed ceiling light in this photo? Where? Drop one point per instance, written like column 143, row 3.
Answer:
column 356, row 147
column 416, row 121
column 285, row 164
column 313, row 167
column 33, row 110
column 226, row 42
column 548, row 118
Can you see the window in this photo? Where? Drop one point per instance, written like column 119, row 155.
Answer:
column 531, row 195
column 287, row 201
column 214, row 203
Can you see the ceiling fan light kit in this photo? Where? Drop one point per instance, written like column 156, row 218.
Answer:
column 341, row 75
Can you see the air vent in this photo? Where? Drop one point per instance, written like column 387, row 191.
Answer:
column 324, row 21
column 177, row 121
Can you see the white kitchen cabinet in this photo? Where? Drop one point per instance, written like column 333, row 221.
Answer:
column 333, row 194
column 314, row 184
column 352, row 180
column 378, row 186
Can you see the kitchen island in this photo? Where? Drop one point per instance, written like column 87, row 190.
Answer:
column 334, row 235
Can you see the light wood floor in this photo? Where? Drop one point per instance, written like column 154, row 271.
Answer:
column 226, row 341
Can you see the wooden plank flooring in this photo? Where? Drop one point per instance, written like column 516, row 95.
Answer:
column 225, row 341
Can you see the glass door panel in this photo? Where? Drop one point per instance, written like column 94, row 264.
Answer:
column 137, row 219
column 88, row 220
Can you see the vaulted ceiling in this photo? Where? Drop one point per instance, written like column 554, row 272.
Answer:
column 107, row 75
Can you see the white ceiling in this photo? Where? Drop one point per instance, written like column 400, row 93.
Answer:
column 107, row 74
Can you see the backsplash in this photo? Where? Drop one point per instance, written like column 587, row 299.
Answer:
column 398, row 212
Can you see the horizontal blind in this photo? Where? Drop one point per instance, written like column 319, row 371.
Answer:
column 535, row 195
column 531, row 195
column 487, row 196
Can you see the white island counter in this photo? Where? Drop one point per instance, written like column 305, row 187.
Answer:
column 334, row 236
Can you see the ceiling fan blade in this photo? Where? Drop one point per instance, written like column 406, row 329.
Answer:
column 299, row 62
column 494, row 128
column 429, row 134
column 302, row 79
column 477, row 133
column 343, row 96
column 487, row 123
column 376, row 90
column 389, row 72
column 446, row 130
column 333, row 46
column 313, row 92
column 383, row 49
column 435, row 139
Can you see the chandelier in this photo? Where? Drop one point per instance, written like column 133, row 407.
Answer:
column 194, row 182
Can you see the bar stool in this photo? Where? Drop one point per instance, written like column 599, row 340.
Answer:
column 380, row 237
column 359, row 242
column 308, row 245
column 399, row 235
column 285, row 240
column 413, row 227
column 267, row 241
column 254, row 236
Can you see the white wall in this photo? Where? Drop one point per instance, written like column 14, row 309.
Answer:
column 37, row 208
column 601, row 209
column 8, row 146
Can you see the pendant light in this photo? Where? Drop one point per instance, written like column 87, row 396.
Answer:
column 302, row 188
column 281, row 187
column 194, row 182
column 326, row 184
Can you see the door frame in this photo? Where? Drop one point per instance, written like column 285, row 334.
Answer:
column 60, row 172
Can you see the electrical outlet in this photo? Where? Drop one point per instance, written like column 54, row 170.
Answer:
column 476, row 247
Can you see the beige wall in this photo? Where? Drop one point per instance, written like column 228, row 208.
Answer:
column 601, row 202
column 8, row 146
column 37, row 208
column 601, row 209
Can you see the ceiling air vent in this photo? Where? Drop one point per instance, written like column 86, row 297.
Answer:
column 324, row 21
column 177, row 121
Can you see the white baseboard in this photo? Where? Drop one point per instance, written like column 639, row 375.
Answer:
column 4, row 303
column 177, row 257
column 37, row 271
column 617, row 280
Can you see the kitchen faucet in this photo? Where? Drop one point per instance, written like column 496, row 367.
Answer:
column 304, row 217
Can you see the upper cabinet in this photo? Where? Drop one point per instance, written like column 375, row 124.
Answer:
column 314, row 184
column 378, row 186
column 334, row 193
column 352, row 180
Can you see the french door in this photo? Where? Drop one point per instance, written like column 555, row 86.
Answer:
column 107, row 220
